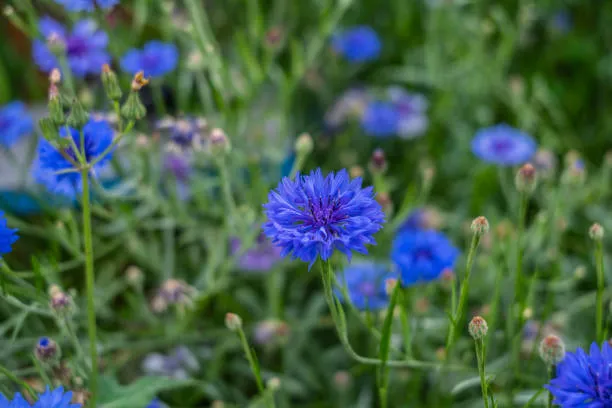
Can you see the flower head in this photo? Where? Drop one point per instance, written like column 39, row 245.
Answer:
column 55, row 399
column 85, row 46
column 584, row 380
column 17, row 402
column 179, row 364
column 8, row 236
column 86, row 5
column 503, row 145
column 261, row 257
column 412, row 111
column 366, row 285
column 380, row 119
column 97, row 136
column 15, row 122
column 358, row 44
column 312, row 215
column 422, row 256
column 156, row 59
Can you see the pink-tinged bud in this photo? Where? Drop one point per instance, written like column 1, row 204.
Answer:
column 342, row 380
column 552, row 350
column 526, row 179
column 274, row 37
column 55, row 76
column 233, row 322
column 378, row 162
column 480, row 226
column 384, row 199
column 478, row 328
column 596, row 232
column 390, row 285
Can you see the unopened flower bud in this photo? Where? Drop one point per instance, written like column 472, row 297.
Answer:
column 55, row 76
column 596, row 232
column 134, row 275
column 480, row 226
column 195, row 61
column 378, row 162
column 55, row 106
column 384, row 199
column 60, row 301
column 48, row 129
column 111, row 83
column 342, row 380
column 56, row 44
column 304, row 144
column 552, row 350
column 46, row 350
column 274, row 37
column 219, row 143
column 78, row 116
column 575, row 173
column 273, row 383
column 133, row 109
column 390, row 285
column 233, row 322
column 526, row 179
column 478, row 328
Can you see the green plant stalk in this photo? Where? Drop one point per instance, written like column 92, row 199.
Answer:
column 480, row 357
column 158, row 99
column 405, row 323
column 90, row 285
column 463, row 295
column 599, row 264
column 67, row 75
column 385, row 341
column 252, row 359
column 551, row 375
column 226, row 187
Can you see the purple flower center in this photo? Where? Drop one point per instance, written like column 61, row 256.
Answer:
column 367, row 289
column 423, row 254
column 405, row 108
column 502, row 146
column 77, row 46
column 324, row 215
column 4, row 122
column 150, row 60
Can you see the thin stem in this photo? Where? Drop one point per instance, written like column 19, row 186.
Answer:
column 90, row 283
column 599, row 263
column 405, row 322
column 110, row 148
column 227, row 187
column 463, row 295
column 250, row 356
column 158, row 99
column 67, row 74
column 551, row 375
column 383, row 373
column 480, row 357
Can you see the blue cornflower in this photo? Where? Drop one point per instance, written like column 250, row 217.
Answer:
column 358, row 44
column 8, row 236
column 503, row 145
column 17, row 402
column 98, row 136
column 365, row 284
column 55, row 399
column 313, row 215
column 15, row 122
column 380, row 119
column 85, row 46
column 422, row 256
column 584, row 380
column 86, row 5
column 155, row 59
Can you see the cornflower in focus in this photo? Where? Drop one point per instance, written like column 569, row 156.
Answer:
column 15, row 123
column 357, row 44
column 365, row 283
column 312, row 216
column 84, row 47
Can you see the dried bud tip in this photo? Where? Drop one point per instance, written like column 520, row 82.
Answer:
column 526, row 179
column 55, row 76
column 478, row 328
column 139, row 81
column 390, row 285
column 378, row 161
column 106, row 69
column 480, row 226
column 233, row 321
column 596, row 232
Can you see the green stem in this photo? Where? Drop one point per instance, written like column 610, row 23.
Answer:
column 599, row 263
column 480, row 357
column 405, row 322
column 158, row 99
column 551, row 375
column 250, row 356
column 67, row 75
column 90, row 283
column 384, row 348
column 227, row 187
column 463, row 295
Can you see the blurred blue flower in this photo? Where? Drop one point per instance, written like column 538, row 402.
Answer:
column 179, row 364
column 260, row 257
column 381, row 119
column 85, row 46
column 503, row 145
column 365, row 283
column 17, row 402
column 156, row 403
column 55, row 399
column 8, row 236
column 412, row 111
column 312, row 215
column 185, row 133
column 86, row 5
column 156, row 59
column 15, row 122
column 351, row 104
column 98, row 136
column 584, row 380
column 358, row 44
column 178, row 164
column 422, row 256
